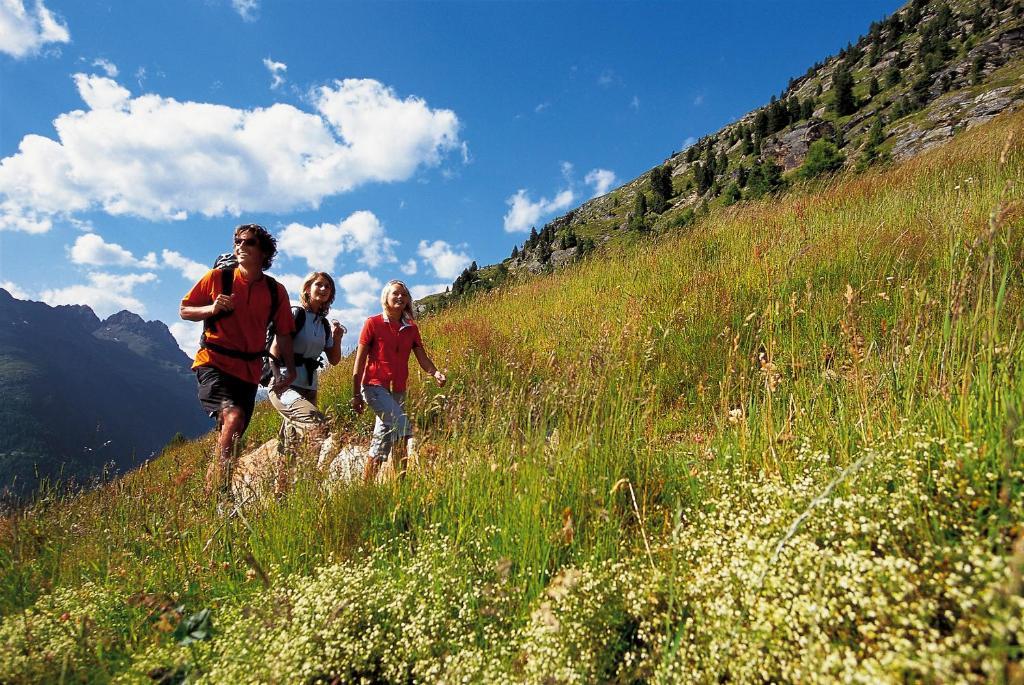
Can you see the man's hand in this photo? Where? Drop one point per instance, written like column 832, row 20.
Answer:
column 222, row 304
column 287, row 377
column 358, row 404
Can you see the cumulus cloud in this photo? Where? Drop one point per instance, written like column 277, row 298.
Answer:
column 189, row 269
column 418, row 292
column 92, row 250
column 106, row 293
column 292, row 283
column 276, row 70
column 362, row 232
column 23, row 31
column 443, row 258
column 15, row 291
column 524, row 213
column 690, row 140
column 186, row 334
column 162, row 159
column 634, row 104
column 601, row 180
column 249, row 10
column 360, row 289
column 409, row 268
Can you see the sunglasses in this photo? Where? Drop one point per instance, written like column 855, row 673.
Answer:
column 248, row 242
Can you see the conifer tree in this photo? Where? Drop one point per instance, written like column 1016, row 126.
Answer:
column 532, row 240
column 637, row 221
column 842, row 88
column 731, row 195
column 978, row 68
column 807, row 108
column 661, row 188
column 873, row 87
column 892, row 76
column 765, row 177
column 823, row 157
column 871, row 152
column 515, row 252
column 761, row 123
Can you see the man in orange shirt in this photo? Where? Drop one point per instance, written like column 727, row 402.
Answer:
column 236, row 306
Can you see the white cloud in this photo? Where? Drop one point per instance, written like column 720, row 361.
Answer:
column 24, row 31
column 108, row 67
column 634, row 104
column 276, row 70
column 247, row 9
column 189, row 269
column 293, row 284
column 443, row 259
column 418, row 292
column 320, row 246
column 409, row 268
column 106, row 293
column 690, row 140
column 601, row 180
column 187, row 333
column 524, row 213
column 607, row 78
column 699, row 100
column 161, row 159
column 541, row 107
column 361, row 290
column 93, row 250
column 15, row 291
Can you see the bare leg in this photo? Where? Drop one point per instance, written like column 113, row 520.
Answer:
column 232, row 421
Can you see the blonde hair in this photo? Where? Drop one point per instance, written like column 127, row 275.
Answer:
column 408, row 313
column 305, row 298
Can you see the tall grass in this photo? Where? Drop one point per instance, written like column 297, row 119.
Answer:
column 809, row 407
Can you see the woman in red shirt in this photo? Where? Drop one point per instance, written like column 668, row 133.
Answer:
column 381, row 372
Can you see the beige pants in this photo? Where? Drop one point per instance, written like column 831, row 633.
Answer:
column 303, row 422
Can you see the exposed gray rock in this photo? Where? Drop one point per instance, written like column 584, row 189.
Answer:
column 789, row 148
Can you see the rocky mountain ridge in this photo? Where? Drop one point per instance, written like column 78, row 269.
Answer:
column 84, row 393
column 913, row 81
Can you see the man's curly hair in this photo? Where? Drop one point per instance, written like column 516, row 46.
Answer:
column 268, row 243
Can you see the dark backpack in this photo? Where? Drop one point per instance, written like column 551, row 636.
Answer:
column 226, row 265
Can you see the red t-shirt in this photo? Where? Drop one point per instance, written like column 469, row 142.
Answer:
column 388, row 346
column 244, row 329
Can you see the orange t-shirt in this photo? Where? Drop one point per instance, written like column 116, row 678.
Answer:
column 388, row 347
column 245, row 329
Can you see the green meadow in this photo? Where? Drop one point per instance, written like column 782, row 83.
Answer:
column 781, row 444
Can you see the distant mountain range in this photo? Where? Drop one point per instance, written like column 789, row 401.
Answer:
column 80, row 393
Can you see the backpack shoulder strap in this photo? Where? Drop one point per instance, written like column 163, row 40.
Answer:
column 274, row 299
column 299, row 314
column 227, row 280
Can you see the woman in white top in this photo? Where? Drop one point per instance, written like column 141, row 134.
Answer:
column 303, row 422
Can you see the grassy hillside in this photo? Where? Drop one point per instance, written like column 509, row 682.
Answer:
column 782, row 444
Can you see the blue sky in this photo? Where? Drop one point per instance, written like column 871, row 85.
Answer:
column 375, row 140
